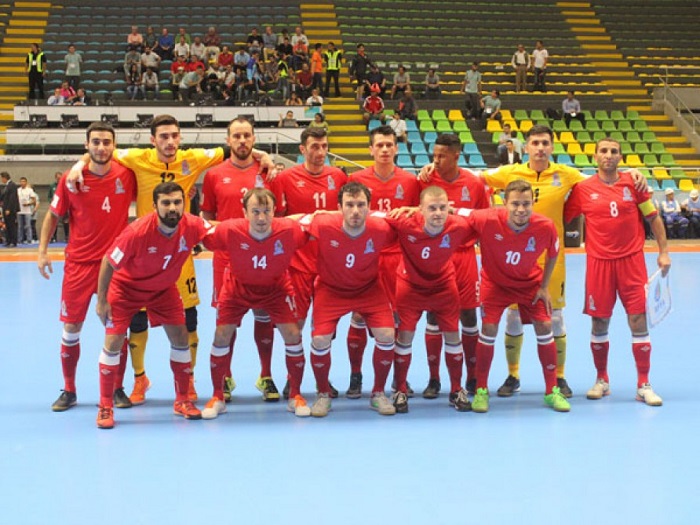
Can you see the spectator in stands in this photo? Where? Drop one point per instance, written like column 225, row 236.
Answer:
column 225, row 58
column 134, row 39
column 373, row 107
column 36, row 71
column 150, row 39
column 359, row 68
column 270, row 70
column 212, row 41
column 197, row 49
column 676, row 224
column 194, row 63
column 73, row 60
column 56, row 99
column 283, row 34
column 408, row 108
column 503, row 137
column 491, row 107
column 287, row 120
column 164, row 46
column 181, row 31
column 692, row 207
column 177, row 73
column 300, row 41
column 471, row 86
column 303, row 81
column 319, row 121
column 67, row 92
column 227, row 98
column 64, row 220
column 509, row 155
column 293, row 100
column 375, row 77
column 191, row 85
column 333, row 58
column 150, row 83
column 240, row 60
column 315, row 99
column 254, row 74
column 285, row 47
column 269, row 39
column 182, row 48
column 517, row 144
column 317, row 67
column 521, row 63
column 402, row 80
column 299, row 56
column 27, row 200
column 254, row 41
column 432, row 85
column 132, row 56
column 399, row 126
column 81, row 98
column 150, row 59
column 571, row 109
column 284, row 75
column 134, row 85
column 540, row 57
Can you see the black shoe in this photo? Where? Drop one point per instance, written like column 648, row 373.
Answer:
column 400, row 403
column 564, row 387
column 121, row 400
column 64, row 401
column 509, row 387
column 470, row 386
column 285, row 390
column 355, row 389
column 460, row 401
column 409, row 391
column 333, row 391
column 432, row 391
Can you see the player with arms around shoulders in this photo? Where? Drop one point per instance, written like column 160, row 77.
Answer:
column 96, row 217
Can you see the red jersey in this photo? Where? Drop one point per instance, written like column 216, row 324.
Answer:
column 509, row 258
column 613, row 215
column 224, row 187
column 97, row 214
column 145, row 259
column 349, row 265
column 297, row 191
column 257, row 263
column 373, row 105
column 465, row 191
column 427, row 259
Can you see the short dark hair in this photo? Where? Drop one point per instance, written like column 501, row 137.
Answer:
column 241, row 119
column 539, row 129
column 432, row 191
column 354, row 188
column 317, row 133
column 5, row 175
column 166, row 188
column 518, row 185
column 263, row 195
column 100, row 126
column 450, row 140
column 163, row 120
column 381, row 130
column 606, row 139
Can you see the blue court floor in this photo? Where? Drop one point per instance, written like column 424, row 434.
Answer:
column 609, row 461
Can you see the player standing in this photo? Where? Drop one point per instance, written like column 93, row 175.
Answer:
column 615, row 262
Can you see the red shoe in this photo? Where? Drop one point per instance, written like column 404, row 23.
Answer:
column 186, row 409
column 105, row 417
column 191, row 392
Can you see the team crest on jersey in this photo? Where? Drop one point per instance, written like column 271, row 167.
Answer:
column 259, row 182
column 331, row 183
column 152, row 249
column 369, row 247
column 399, row 192
column 466, row 197
column 245, row 246
column 183, row 245
column 411, row 238
column 334, row 243
column 226, row 180
column 279, row 248
column 185, row 167
column 64, row 310
column 626, row 194
column 530, row 245
column 445, row 242
column 118, row 187
column 556, row 179
column 591, row 304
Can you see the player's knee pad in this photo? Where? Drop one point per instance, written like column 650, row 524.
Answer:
column 514, row 326
column 139, row 323
column 558, row 327
column 191, row 319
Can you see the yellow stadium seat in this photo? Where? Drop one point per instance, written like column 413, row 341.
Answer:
column 513, row 124
column 566, row 137
column 589, row 148
column 454, row 115
column 574, row 148
column 633, row 161
column 493, row 126
column 686, row 185
column 661, row 174
column 506, row 115
column 525, row 125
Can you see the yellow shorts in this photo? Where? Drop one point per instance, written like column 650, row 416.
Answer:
column 187, row 285
column 557, row 284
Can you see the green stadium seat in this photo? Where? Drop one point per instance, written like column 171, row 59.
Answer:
column 582, row 161
column 537, row 114
column 601, row 115
column 640, row 125
column 616, row 114
column 423, row 114
column 641, row 148
column 459, row 125
column 626, row 149
column 466, row 136
column 559, row 149
column 657, row 148
column 667, row 160
column 649, row 136
column 608, row 126
column 439, row 114
column 559, row 126
column 677, row 174
column 624, row 125
column 599, row 135
column 632, row 115
column 575, row 125
column 651, row 160
column 521, row 114
column 633, row 136
column 443, row 126
column 618, row 136
column 592, row 126
column 583, row 137
column 426, row 125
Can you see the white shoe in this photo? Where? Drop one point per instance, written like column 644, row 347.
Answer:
column 648, row 396
column 321, row 406
column 381, row 404
column 298, row 406
column 600, row 389
column 213, row 408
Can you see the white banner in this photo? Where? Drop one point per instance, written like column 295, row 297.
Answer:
column 658, row 298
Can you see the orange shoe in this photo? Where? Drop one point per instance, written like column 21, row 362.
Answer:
column 105, row 417
column 213, row 408
column 138, row 394
column 187, row 410
column 191, row 392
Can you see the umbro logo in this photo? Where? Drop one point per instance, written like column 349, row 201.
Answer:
column 152, row 249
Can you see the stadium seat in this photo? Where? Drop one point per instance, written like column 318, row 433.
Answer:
column 459, row 125
column 402, row 148
column 601, row 115
column 651, row 160
column 470, row 148
column 526, row 125
column 520, row 114
column 423, row 114
column 633, row 136
column 439, row 114
column 633, row 161
column 466, row 136
column 421, row 160
column 566, row 137
column 537, row 114
column 574, row 148
column 589, row 148
column 624, row 126
column 430, row 137
column 443, row 126
column 404, row 161
column 414, row 136
column 476, row 161
column 641, row 148
column 640, row 125
column 455, row 115
column 583, row 137
column 592, row 126
column 427, row 125
column 626, row 149
column 493, row 126
column 564, row 159
column 667, row 160
column 418, row 148
column 411, row 125
column 685, row 185
column 576, row 125
column 582, row 161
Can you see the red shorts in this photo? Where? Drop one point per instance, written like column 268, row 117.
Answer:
column 606, row 279
column 235, row 301
column 329, row 307
column 303, row 284
column 442, row 303
column 163, row 307
column 388, row 263
column 495, row 299
column 467, row 278
column 79, row 283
